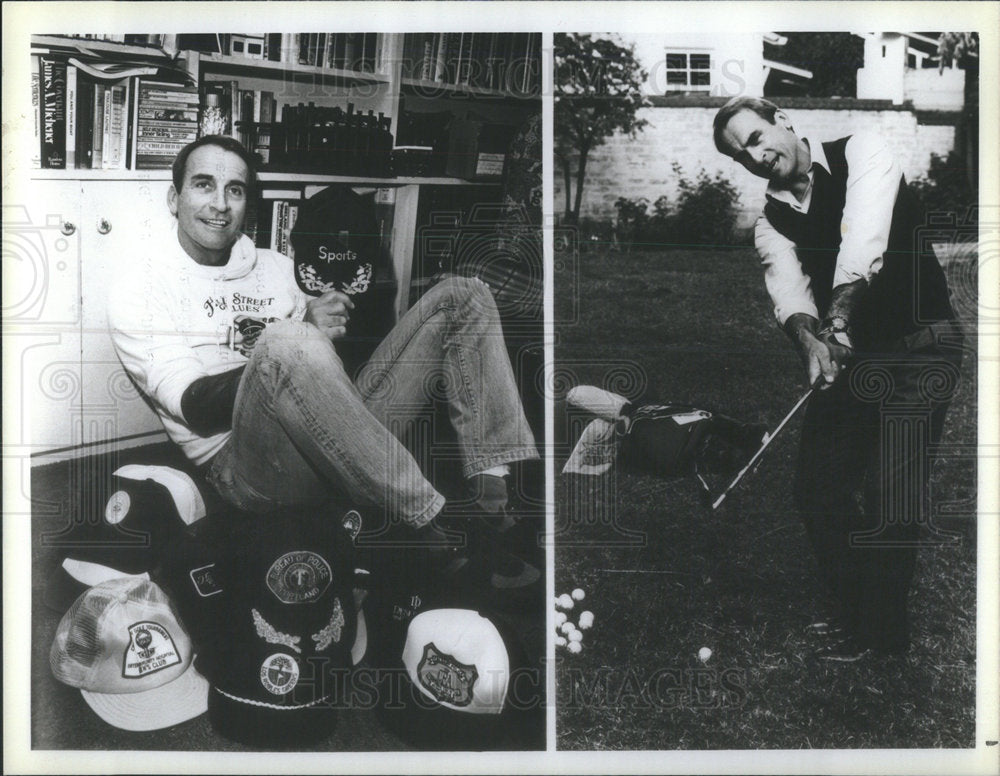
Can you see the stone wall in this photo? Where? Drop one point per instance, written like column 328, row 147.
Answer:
column 642, row 167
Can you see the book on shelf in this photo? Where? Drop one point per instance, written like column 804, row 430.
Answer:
column 52, row 107
column 165, row 120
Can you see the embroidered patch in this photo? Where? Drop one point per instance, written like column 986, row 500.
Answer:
column 279, row 674
column 150, row 649
column 352, row 523
column 445, row 678
column 204, row 580
column 331, row 631
column 298, row 577
column 117, row 507
column 272, row 635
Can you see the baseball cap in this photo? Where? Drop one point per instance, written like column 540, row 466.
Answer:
column 287, row 627
column 336, row 241
column 454, row 676
column 123, row 645
column 119, row 527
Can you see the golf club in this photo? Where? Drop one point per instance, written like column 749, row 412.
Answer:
column 767, row 440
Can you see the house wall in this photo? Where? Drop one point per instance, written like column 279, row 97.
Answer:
column 643, row 167
column 737, row 60
column 928, row 89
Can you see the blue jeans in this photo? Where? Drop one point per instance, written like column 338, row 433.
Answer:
column 302, row 427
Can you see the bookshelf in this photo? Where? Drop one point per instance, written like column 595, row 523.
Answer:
column 443, row 135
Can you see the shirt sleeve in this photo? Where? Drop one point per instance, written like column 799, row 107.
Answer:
column 873, row 176
column 158, row 359
column 786, row 283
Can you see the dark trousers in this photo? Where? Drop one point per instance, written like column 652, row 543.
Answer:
column 861, row 485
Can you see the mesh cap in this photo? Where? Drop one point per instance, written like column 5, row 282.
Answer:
column 122, row 644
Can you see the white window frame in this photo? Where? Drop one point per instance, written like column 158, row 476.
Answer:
column 688, row 70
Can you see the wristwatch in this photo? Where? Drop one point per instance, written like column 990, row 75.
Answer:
column 837, row 328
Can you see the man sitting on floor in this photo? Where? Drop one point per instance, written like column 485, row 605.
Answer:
column 267, row 411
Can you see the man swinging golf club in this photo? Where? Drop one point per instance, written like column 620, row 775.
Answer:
column 859, row 300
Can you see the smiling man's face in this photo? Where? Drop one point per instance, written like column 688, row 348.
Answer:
column 771, row 151
column 211, row 204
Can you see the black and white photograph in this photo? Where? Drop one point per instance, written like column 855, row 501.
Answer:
column 493, row 386
column 279, row 314
column 766, row 384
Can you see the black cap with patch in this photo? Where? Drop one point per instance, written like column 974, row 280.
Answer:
column 118, row 526
column 281, row 655
column 336, row 241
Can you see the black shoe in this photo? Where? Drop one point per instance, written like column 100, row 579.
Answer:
column 843, row 651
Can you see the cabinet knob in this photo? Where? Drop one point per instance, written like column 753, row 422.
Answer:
column 67, row 228
column 103, row 225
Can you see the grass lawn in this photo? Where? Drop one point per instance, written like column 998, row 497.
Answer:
column 664, row 576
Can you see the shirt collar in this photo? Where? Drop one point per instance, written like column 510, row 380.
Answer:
column 817, row 156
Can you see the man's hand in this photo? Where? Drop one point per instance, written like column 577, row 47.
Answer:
column 330, row 313
column 824, row 357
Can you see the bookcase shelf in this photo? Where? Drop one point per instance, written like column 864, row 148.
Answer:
column 264, row 176
column 432, row 89
column 228, row 64
column 76, row 46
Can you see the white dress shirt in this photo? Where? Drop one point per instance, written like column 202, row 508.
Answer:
column 873, row 177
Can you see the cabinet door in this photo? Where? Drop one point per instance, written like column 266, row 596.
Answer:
column 41, row 317
column 120, row 221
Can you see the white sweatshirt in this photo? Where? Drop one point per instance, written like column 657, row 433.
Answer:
column 173, row 321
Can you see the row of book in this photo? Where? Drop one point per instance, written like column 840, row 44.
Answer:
column 109, row 116
column 508, row 62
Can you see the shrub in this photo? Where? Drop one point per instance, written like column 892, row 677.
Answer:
column 945, row 188
column 630, row 225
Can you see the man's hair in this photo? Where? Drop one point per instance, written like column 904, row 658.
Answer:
column 224, row 142
column 763, row 108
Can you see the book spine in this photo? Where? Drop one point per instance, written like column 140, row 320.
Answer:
column 36, row 102
column 53, row 114
column 84, row 122
column 108, row 153
column 71, row 117
column 97, row 151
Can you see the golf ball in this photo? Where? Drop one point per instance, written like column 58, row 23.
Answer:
column 567, row 628
column 578, row 594
column 586, row 620
column 575, row 647
column 560, row 641
column 575, row 636
column 560, row 618
column 565, row 601
column 704, row 654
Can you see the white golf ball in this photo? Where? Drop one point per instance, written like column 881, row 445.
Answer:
column 578, row 594
column 586, row 620
column 576, row 636
column 560, row 641
column 575, row 647
column 560, row 618
column 565, row 601
column 704, row 654
column 567, row 628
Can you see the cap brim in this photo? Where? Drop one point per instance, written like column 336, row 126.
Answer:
column 186, row 697
column 74, row 577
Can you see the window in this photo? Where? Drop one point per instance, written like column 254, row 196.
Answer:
column 689, row 71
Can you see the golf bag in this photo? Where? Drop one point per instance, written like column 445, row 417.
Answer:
column 669, row 440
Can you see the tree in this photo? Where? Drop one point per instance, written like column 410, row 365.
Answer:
column 598, row 92
column 962, row 49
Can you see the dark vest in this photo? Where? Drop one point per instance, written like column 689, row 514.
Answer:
column 908, row 293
